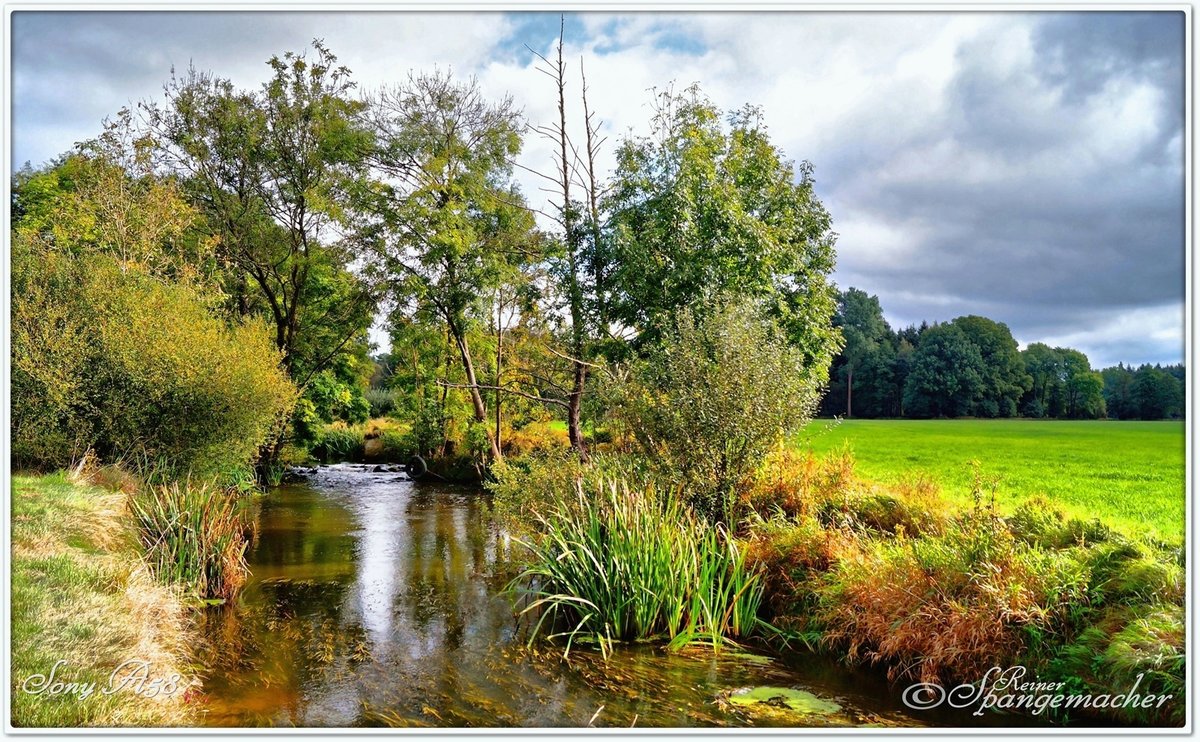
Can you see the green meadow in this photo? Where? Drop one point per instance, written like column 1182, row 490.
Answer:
column 1129, row 474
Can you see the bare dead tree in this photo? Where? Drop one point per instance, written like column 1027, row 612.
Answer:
column 569, row 219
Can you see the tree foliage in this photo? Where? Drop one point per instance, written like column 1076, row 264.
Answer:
column 705, row 206
column 447, row 226
column 96, row 367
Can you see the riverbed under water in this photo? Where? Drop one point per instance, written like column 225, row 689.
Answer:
column 376, row 601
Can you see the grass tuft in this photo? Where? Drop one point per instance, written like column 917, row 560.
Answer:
column 621, row 564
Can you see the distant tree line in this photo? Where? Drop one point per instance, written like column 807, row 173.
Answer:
column 971, row 366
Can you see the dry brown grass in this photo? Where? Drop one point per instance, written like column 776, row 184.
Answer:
column 936, row 608
column 534, row 438
column 797, row 484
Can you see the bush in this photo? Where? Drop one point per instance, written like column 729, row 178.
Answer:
column 947, row 606
column 800, row 485
column 793, row 555
column 1038, row 522
column 719, row 393
column 383, row 402
column 797, row 484
column 623, row 564
column 340, row 443
column 121, row 363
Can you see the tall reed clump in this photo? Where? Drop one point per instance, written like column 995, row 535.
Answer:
column 624, row 564
column 194, row 535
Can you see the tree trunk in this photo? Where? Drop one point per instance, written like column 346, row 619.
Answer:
column 499, row 361
column 849, row 388
column 574, row 405
column 473, row 386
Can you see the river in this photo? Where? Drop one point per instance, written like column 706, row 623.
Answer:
column 376, row 601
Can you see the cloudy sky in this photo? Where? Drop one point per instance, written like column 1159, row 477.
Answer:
column 1023, row 166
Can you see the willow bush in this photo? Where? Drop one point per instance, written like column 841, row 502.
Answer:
column 108, row 358
column 710, row 402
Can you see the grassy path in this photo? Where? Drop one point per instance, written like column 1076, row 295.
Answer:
column 1129, row 474
column 81, row 596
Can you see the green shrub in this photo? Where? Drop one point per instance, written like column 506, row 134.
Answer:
column 623, row 564
column 383, row 402
column 397, row 446
column 340, row 444
column 718, row 393
column 428, row 431
column 121, row 363
column 525, row 487
column 194, row 535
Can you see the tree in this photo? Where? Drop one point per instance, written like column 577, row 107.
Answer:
column 447, row 225
column 580, row 223
column 1062, row 384
column 706, row 206
column 860, row 318
column 1042, row 364
column 1118, row 392
column 273, row 171
column 1156, row 393
column 105, row 198
column 947, row 376
column 1003, row 373
column 1082, row 388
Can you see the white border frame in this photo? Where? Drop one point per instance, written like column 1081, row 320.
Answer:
column 614, row 6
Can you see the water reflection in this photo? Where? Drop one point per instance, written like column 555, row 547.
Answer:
column 374, row 601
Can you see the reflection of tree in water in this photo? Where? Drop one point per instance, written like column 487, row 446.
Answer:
column 260, row 654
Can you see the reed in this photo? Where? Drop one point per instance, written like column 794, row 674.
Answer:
column 625, row 564
column 194, row 534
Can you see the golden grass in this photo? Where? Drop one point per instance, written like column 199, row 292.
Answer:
column 81, row 594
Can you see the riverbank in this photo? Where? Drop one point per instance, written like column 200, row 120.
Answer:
column 898, row 576
column 84, row 605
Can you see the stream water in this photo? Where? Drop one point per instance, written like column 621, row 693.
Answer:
column 375, row 601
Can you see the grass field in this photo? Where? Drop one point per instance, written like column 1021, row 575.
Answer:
column 1129, row 474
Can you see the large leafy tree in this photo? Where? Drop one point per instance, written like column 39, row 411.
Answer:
column 1082, row 388
column 273, row 171
column 706, row 205
column 1156, row 393
column 1004, row 376
column 947, row 374
column 867, row 344
column 1063, row 384
column 446, row 226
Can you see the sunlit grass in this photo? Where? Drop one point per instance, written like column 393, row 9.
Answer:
column 1129, row 474
column 81, row 595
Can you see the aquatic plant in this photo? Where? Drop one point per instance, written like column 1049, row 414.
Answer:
column 194, row 534
column 624, row 564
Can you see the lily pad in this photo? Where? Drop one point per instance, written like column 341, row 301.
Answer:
column 797, row 700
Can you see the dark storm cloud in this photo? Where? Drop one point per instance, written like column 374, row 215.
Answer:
column 1049, row 214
